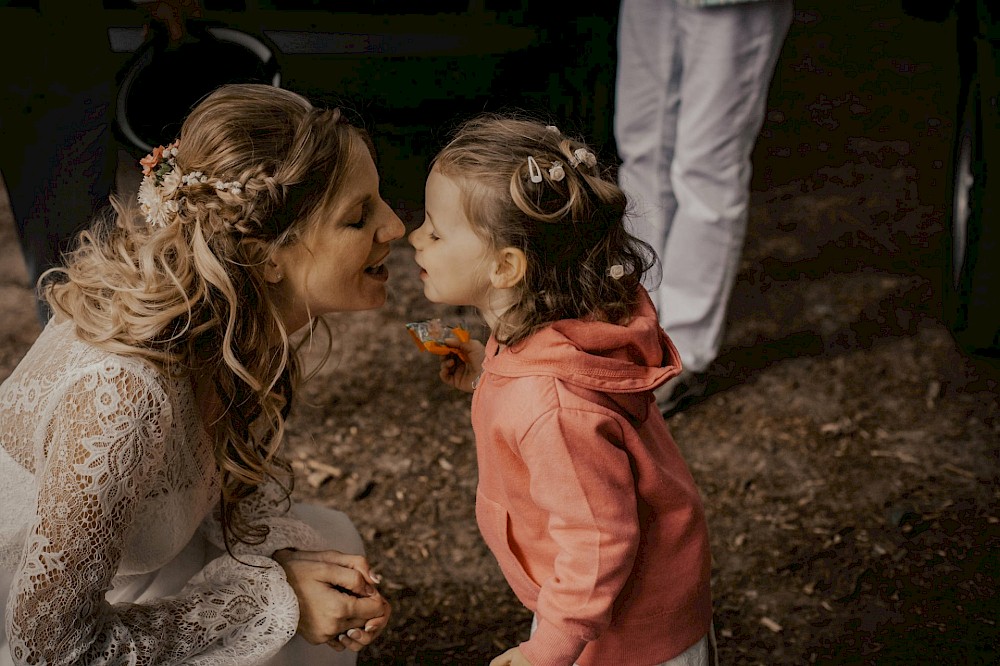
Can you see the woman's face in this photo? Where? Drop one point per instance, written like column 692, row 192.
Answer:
column 338, row 263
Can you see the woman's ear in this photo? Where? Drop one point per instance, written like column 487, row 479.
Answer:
column 509, row 269
column 273, row 272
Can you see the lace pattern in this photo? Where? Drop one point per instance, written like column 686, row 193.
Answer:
column 124, row 478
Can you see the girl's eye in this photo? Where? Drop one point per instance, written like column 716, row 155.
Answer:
column 433, row 236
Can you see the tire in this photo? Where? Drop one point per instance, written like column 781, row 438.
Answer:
column 971, row 284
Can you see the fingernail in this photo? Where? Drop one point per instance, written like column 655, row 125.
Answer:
column 370, row 627
column 375, row 577
column 369, row 590
column 341, row 637
column 355, row 634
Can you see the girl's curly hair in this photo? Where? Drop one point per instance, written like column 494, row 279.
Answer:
column 570, row 225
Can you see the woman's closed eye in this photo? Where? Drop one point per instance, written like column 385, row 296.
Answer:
column 360, row 224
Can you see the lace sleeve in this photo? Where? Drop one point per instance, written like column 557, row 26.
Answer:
column 105, row 439
column 270, row 506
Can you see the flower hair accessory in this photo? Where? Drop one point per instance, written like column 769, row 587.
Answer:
column 585, row 156
column 161, row 181
column 556, row 172
column 617, row 272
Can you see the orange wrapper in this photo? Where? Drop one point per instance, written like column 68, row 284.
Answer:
column 430, row 335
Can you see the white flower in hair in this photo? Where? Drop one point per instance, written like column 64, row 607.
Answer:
column 162, row 180
column 585, row 156
column 155, row 208
column 148, row 195
column 169, row 184
column 233, row 187
column 556, row 172
column 552, row 128
column 616, row 272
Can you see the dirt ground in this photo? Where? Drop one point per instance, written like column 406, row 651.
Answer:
column 848, row 454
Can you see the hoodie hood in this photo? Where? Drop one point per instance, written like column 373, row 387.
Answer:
column 594, row 355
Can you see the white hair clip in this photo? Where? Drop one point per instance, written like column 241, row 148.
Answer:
column 585, row 156
column 556, row 172
column 533, row 171
column 552, row 128
column 616, row 272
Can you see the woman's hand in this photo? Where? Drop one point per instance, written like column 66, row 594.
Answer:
column 511, row 657
column 338, row 601
column 456, row 372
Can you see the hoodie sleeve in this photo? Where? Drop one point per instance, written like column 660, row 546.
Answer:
column 582, row 478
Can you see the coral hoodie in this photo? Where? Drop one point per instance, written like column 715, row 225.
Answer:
column 584, row 498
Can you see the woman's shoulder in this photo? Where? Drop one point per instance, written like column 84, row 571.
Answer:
column 62, row 361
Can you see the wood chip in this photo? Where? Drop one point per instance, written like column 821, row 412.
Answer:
column 317, row 479
column 771, row 624
column 331, row 470
column 898, row 455
column 958, row 470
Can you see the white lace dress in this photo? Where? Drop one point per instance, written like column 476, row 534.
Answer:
column 110, row 552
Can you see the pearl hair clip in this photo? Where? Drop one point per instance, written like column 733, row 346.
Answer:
column 616, row 272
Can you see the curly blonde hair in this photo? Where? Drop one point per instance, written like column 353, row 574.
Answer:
column 570, row 225
column 190, row 296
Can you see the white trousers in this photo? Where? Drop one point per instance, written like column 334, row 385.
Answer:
column 690, row 99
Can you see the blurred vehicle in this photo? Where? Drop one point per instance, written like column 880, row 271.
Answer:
column 972, row 258
column 971, row 275
column 409, row 70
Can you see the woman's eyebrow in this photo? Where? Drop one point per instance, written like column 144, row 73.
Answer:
column 362, row 201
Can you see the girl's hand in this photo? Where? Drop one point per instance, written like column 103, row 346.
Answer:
column 338, row 602
column 511, row 657
column 455, row 372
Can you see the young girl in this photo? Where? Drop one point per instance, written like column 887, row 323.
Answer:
column 583, row 496
column 142, row 514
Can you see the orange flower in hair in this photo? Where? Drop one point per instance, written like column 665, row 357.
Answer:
column 150, row 162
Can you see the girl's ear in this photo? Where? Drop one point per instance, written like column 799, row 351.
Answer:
column 509, row 268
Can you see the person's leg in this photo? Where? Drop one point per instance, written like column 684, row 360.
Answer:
column 729, row 55
column 340, row 534
column 646, row 103
column 59, row 172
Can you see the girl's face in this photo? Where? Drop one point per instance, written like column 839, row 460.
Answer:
column 338, row 264
column 455, row 263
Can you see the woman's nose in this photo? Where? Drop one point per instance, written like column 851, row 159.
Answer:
column 391, row 229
